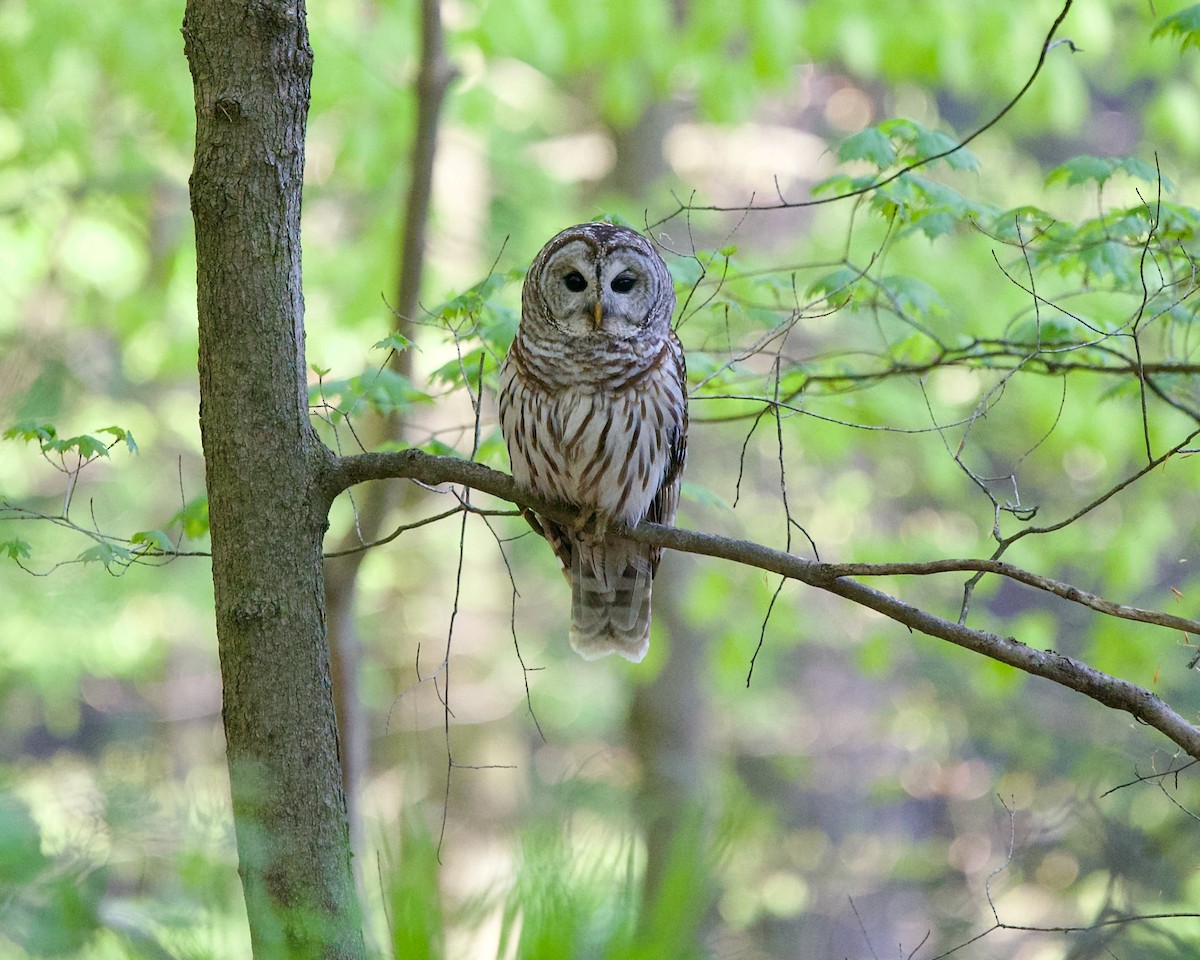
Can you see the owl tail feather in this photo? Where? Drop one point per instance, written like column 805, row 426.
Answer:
column 610, row 600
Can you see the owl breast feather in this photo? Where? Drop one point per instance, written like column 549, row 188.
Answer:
column 603, row 446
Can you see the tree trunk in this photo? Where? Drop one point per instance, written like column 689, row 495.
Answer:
column 251, row 65
column 374, row 504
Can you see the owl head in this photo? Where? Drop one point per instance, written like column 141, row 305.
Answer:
column 598, row 281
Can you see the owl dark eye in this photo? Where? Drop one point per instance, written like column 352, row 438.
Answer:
column 575, row 281
column 624, row 283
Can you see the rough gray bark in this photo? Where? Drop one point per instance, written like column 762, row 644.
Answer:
column 251, row 67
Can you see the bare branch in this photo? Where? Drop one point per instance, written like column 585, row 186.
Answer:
column 1058, row 588
column 1048, row 44
column 1101, row 687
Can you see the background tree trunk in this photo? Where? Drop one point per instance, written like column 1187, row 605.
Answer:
column 375, row 503
column 251, row 66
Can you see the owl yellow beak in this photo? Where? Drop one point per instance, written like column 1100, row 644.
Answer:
column 597, row 315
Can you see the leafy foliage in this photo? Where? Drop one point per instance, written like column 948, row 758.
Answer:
column 1184, row 26
column 904, row 142
column 955, row 356
column 48, row 909
column 85, row 447
column 1087, row 170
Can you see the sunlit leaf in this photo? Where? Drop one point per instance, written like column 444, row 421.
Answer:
column 914, row 350
column 154, row 540
column 458, row 371
column 87, row 446
column 193, row 517
column 383, row 390
column 1184, row 26
column 122, row 435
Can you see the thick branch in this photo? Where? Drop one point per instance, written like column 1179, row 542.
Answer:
column 1110, row 691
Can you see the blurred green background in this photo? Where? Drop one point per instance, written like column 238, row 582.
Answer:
column 862, row 790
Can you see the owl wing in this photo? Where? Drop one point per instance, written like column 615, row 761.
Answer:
column 666, row 500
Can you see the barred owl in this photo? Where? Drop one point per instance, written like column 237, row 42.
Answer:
column 593, row 407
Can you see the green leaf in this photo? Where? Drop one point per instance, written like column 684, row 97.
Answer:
column 471, row 301
column 121, row 434
column 1087, row 169
column 16, row 549
column 87, row 446
column 394, row 341
column 21, row 857
column 383, row 390
column 66, row 916
column 913, row 350
column 440, row 449
column 29, row 430
column 1174, row 220
column 912, row 295
column 411, row 887
column 933, row 223
column 452, row 372
column 1110, row 259
column 921, row 144
column 614, row 218
column 685, row 272
column 153, row 540
column 871, row 145
column 841, row 184
column 1044, row 333
column 934, row 143
column 194, row 518
column 835, row 287
column 491, row 448
column 706, row 496
column 107, row 554
column 1185, row 25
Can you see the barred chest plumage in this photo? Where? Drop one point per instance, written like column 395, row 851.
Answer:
column 601, row 442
